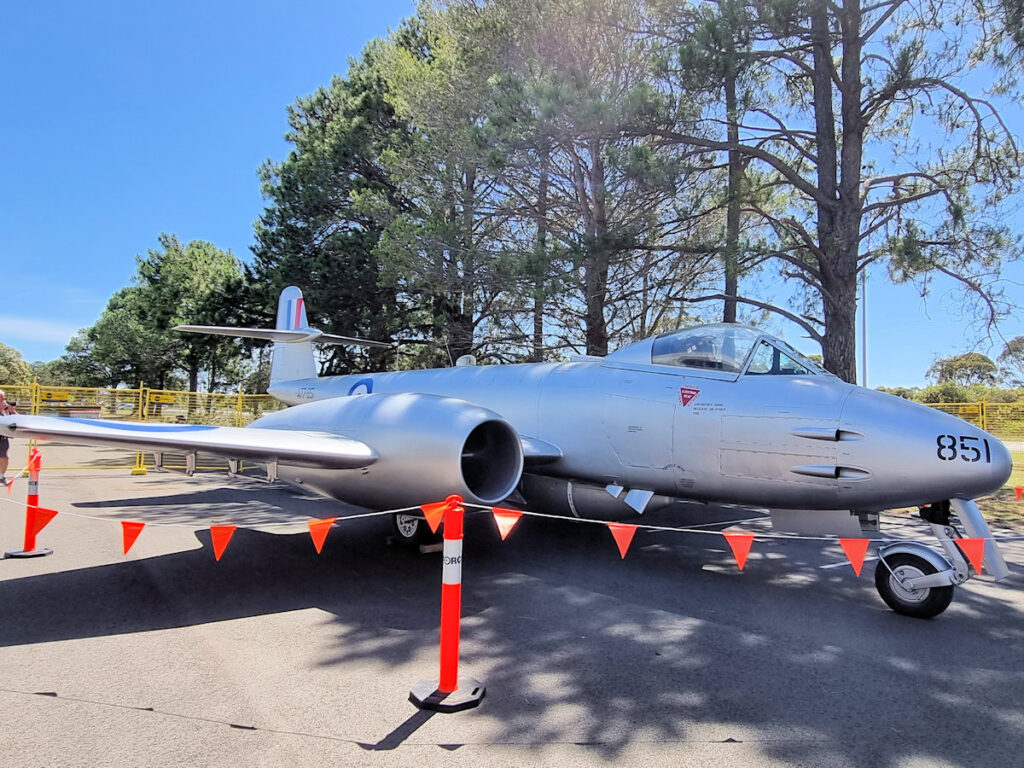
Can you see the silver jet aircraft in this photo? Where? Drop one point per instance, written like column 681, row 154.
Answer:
column 719, row 413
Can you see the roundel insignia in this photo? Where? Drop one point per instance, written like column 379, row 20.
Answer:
column 362, row 387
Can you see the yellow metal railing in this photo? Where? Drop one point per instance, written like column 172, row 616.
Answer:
column 140, row 404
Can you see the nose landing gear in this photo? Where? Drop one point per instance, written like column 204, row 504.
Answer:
column 915, row 580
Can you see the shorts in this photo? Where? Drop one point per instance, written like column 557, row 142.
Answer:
column 4, row 442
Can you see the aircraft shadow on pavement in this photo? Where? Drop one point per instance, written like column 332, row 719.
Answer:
column 251, row 505
column 578, row 645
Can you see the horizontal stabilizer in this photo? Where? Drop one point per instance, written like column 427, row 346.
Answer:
column 281, row 336
column 301, row 448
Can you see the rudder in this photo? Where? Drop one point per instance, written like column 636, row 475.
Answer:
column 292, row 360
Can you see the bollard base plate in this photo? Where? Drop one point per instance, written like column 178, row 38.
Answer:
column 28, row 553
column 469, row 694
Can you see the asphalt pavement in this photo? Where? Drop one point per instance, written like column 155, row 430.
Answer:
column 276, row 655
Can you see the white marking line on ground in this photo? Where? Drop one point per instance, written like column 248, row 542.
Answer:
column 845, row 562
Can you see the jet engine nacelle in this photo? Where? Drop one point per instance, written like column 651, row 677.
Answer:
column 428, row 448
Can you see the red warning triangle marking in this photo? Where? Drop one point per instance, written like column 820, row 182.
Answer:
column 855, row 550
column 434, row 514
column 740, row 545
column 686, row 394
column 39, row 518
column 506, row 520
column 975, row 551
column 221, row 535
column 623, row 533
column 318, row 530
column 130, row 532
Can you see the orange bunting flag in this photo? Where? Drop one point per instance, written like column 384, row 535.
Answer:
column 855, row 550
column 434, row 514
column 623, row 533
column 221, row 535
column 740, row 545
column 38, row 518
column 506, row 520
column 130, row 532
column 1019, row 490
column 318, row 530
column 975, row 551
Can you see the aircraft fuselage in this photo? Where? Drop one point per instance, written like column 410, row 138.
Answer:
column 796, row 441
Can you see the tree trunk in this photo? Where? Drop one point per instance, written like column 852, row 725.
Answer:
column 597, row 258
column 836, row 261
column 540, row 261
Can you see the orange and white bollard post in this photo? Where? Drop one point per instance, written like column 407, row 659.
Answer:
column 450, row 693
column 36, row 517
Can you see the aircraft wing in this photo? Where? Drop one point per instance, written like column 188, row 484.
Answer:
column 298, row 447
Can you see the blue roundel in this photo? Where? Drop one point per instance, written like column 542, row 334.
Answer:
column 361, row 387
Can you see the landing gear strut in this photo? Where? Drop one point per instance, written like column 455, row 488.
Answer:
column 915, row 580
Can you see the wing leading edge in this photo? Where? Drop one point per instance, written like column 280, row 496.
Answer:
column 301, row 448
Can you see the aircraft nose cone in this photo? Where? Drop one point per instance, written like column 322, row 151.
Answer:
column 1002, row 462
column 915, row 455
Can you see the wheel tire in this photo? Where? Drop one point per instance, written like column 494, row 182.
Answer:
column 920, row 604
column 412, row 530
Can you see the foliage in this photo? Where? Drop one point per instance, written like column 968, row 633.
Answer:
column 1012, row 360
column 13, row 369
column 52, row 373
column 195, row 284
column 313, row 234
column 881, row 153
column 964, row 370
column 133, row 340
column 907, row 393
column 513, row 178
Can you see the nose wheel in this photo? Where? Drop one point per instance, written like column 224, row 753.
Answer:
column 891, row 576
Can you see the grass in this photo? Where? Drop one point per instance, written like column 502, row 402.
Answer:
column 1017, row 476
column 1002, row 506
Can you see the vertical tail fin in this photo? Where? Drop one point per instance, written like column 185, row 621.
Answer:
column 293, row 338
column 292, row 360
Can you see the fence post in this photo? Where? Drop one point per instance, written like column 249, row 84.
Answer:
column 140, row 457
column 35, row 400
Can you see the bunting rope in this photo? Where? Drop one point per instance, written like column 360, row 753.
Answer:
column 204, row 527
column 699, row 528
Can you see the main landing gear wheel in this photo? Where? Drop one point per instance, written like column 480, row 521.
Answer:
column 412, row 530
column 919, row 603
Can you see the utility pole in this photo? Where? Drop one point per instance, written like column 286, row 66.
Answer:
column 864, row 327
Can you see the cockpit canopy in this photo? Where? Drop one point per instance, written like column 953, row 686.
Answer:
column 724, row 347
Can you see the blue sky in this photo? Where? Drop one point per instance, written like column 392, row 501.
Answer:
column 124, row 120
